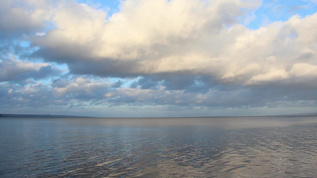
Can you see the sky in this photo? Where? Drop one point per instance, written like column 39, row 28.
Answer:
column 158, row 58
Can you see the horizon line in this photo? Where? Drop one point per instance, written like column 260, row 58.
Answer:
column 223, row 116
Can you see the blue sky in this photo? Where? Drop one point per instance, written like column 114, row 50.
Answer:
column 158, row 57
column 269, row 11
column 280, row 10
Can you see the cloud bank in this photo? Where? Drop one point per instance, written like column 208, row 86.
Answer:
column 165, row 53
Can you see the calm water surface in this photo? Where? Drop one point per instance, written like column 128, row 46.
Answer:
column 163, row 147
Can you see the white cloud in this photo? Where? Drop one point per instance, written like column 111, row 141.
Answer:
column 304, row 69
column 272, row 75
column 197, row 37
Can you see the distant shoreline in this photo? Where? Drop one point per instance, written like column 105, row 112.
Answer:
column 41, row 116
column 70, row 116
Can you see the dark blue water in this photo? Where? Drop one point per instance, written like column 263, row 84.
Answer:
column 163, row 147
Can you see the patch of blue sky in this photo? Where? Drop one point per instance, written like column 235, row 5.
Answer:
column 280, row 10
column 28, row 49
column 63, row 67
column 111, row 6
column 114, row 79
column 270, row 11
column 17, row 49
column 25, row 44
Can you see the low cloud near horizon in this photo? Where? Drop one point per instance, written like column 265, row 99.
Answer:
column 156, row 58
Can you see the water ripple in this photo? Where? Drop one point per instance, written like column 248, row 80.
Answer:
column 214, row 147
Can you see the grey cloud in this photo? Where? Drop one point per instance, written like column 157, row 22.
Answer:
column 66, row 53
column 287, row 91
column 146, row 83
column 60, row 83
column 21, row 17
column 80, row 63
column 215, row 94
column 79, row 91
column 61, row 93
column 16, row 96
column 106, row 68
column 118, row 84
column 189, row 83
column 17, row 70
column 306, row 56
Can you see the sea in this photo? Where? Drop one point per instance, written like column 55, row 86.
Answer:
column 275, row 146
